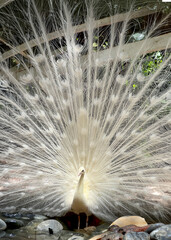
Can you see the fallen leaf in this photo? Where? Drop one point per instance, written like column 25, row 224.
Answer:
column 130, row 220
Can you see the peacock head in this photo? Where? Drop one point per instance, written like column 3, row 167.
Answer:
column 81, row 171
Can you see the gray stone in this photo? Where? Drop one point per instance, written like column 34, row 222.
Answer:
column 49, row 225
column 66, row 234
column 13, row 223
column 102, row 227
column 39, row 217
column 2, row 234
column 11, row 215
column 3, row 225
column 153, row 227
column 24, row 216
column 76, row 237
column 136, row 236
column 47, row 237
column 113, row 236
column 162, row 233
column 32, row 226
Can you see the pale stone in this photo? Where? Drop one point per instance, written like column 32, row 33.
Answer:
column 3, row 225
column 130, row 220
column 49, row 224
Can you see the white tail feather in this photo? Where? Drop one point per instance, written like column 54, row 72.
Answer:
column 81, row 109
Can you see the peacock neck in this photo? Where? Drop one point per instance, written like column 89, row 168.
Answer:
column 79, row 203
column 80, row 186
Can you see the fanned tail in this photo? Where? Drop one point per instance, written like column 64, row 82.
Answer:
column 90, row 105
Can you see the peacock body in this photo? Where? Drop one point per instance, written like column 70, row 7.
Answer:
column 83, row 129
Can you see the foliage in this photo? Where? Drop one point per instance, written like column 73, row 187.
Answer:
column 152, row 62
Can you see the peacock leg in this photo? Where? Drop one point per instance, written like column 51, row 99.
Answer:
column 87, row 221
column 79, row 221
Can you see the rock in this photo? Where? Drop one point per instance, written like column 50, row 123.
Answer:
column 133, row 228
column 3, row 225
column 66, row 234
column 154, row 226
column 100, row 236
column 39, row 217
column 32, row 226
column 11, row 235
column 26, row 216
column 2, row 234
column 101, row 229
column 11, row 215
column 13, row 223
column 136, row 236
column 89, row 230
column 162, row 233
column 113, row 236
column 114, row 228
column 108, row 236
column 76, row 237
column 50, row 226
column 47, row 237
column 128, row 228
column 130, row 220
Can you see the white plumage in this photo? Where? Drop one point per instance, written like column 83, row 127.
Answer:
column 85, row 109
